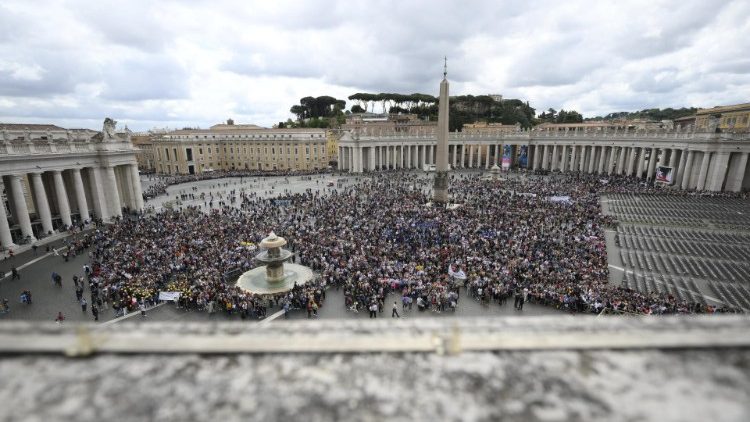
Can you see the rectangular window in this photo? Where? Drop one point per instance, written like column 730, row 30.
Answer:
column 200, row 151
column 166, row 151
column 209, row 150
column 189, row 153
column 175, row 153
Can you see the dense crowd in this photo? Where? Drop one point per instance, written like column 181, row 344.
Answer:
column 536, row 239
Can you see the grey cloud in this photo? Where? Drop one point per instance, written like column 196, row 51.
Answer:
column 149, row 78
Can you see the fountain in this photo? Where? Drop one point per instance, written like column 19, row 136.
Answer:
column 275, row 276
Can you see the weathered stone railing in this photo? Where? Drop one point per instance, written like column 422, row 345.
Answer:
column 529, row 136
column 45, row 147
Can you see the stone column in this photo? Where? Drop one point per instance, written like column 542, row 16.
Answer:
column 630, row 160
column 42, row 205
column 581, row 159
column 62, row 198
column 680, row 169
column 553, row 160
column 602, row 159
column 137, row 191
column 673, row 158
column 487, row 158
column 574, row 158
column 737, row 166
column 687, row 172
column 83, row 208
column 611, row 161
column 721, row 162
column 652, row 163
column 592, row 158
column 641, row 159
column 471, row 156
column 621, row 160
column 545, row 157
column 96, row 185
column 113, row 203
column 6, row 239
column 703, row 172
column 21, row 210
column 537, row 157
column 564, row 159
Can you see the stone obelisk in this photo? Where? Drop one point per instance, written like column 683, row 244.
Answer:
column 440, row 188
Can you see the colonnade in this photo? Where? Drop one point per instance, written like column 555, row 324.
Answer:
column 691, row 169
column 41, row 201
column 703, row 164
column 359, row 159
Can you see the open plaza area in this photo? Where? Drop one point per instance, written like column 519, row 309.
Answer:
column 563, row 243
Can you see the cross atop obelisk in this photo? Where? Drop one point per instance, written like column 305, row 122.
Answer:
column 440, row 187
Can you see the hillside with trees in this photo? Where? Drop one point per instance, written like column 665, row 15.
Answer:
column 464, row 108
column 648, row 114
column 562, row 116
column 316, row 112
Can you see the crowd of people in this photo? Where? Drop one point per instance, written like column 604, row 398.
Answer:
column 535, row 239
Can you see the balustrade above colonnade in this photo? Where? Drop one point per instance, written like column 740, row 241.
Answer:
column 55, row 178
column 698, row 160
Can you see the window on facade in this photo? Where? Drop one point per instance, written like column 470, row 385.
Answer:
column 166, row 152
column 307, row 150
column 175, row 153
column 273, row 151
column 200, row 151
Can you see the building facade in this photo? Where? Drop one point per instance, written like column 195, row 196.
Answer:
column 53, row 177
column 699, row 160
column 145, row 155
column 732, row 118
column 240, row 147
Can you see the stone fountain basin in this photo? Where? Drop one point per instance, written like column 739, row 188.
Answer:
column 254, row 281
column 266, row 258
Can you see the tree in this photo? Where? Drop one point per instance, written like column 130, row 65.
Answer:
column 356, row 108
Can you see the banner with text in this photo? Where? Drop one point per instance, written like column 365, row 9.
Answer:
column 169, row 296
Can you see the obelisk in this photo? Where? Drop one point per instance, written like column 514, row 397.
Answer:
column 440, row 188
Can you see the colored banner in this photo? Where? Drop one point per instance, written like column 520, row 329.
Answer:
column 523, row 159
column 664, row 174
column 507, row 153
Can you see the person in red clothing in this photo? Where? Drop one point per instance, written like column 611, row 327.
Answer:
column 60, row 318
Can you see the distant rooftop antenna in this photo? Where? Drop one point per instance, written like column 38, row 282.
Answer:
column 445, row 67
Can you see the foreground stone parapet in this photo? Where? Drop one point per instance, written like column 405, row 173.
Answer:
column 675, row 380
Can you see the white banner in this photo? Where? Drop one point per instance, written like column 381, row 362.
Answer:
column 169, row 296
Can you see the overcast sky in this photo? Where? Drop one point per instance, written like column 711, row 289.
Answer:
column 195, row 63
